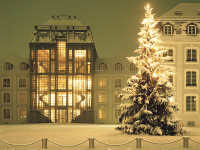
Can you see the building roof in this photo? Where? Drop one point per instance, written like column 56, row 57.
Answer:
column 63, row 20
column 186, row 11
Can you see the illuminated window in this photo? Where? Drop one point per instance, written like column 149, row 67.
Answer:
column 52, row 54
column 191, row 55
column 33, row 82
column 80, row 61
column 89, row 54
column 23, row 66
column 8, row 66
column 22, row 82
column 102, row 113
column 117, row 113
column 61, row 82
column 190, row 103
column 102, row 83
column 118, row 67
column 70, row 66
column 69, row 98
column 70, row 54
column 6, row 97
column 169, row 53
column 118, row 82
column 167, row 29
column 102, row 97
column 52, row 66
column 22, row 113
column 32, row 54
column 89, row 82
column 33, row 67
column 43, row 61
column 6, row 82
column 53, row 99
column 6, row 113
column 61, row 99
column 22, row 98
column 133, row 67
column 102, row 67
column 191, row 30
column 117, row 99
column 52, row 114
column 191, row 78
column 89, row 67
column 53, row 82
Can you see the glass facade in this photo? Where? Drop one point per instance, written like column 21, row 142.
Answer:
column 61, row 81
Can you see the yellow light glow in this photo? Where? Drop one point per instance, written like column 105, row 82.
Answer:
column 154, row 75
column 148, row 6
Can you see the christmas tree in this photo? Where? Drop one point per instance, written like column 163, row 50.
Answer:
column 150, row 110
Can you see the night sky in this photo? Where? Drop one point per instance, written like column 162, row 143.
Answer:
column 114, row 23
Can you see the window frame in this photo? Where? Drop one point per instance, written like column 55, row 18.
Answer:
column 197, row 79
column 18, row 114
column 121, row 82
column 3, row 82
column 105, row 97
column 118, row 67
column 8, row 66
column 114, row 117
column 3, row 97
column 99, row 113
column 195, row 30
column 19, row 98
column 174, row 53
column 22, row 82
column 197, row 55
column 3, row 113
column 102, row 67
column 167, row 34
column 105, row 82
column 197, row 104
column 133, row 67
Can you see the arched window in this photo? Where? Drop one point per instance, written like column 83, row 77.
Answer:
column 102, row 67
column 167, row 29
column 191, row 79
column 8, row 66
column 133, row 67
column 23, row 66
column 118, row 67
column 191, row 29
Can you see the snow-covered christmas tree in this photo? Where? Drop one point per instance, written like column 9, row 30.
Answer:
column 150, row 110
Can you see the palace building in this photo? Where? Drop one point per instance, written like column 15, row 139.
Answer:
column 64, row 80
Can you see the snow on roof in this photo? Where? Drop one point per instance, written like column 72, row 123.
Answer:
column 186, row 11
column 63, row 20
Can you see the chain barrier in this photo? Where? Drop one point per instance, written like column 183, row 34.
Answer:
column 20, row 144
column 194, row 141
column 115, row 144
column 161, row 143
column 67, row 145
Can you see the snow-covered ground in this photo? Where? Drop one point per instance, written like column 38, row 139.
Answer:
column 69, row 134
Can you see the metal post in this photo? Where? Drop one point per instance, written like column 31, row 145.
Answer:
column 185, row 142
column 91, row 143
column 44, row 143
column 138, row 142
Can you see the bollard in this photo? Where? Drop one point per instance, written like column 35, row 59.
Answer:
column 44, row 143
column 185, row 142
column 91, row 143
column 138, row 142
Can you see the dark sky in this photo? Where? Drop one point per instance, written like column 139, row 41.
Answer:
column 114, row 23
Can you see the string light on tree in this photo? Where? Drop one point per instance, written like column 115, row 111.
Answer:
column 149, row 91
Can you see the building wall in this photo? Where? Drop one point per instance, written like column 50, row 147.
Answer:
column 16, row 116
column 109, row 75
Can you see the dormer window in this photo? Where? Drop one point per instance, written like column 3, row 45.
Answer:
column 118, row 67
column 8, row 66
column 102, row 67
column 23, row 66
column 178, row 13
column 133, row 67
column 167, row 29
column 192, row 29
